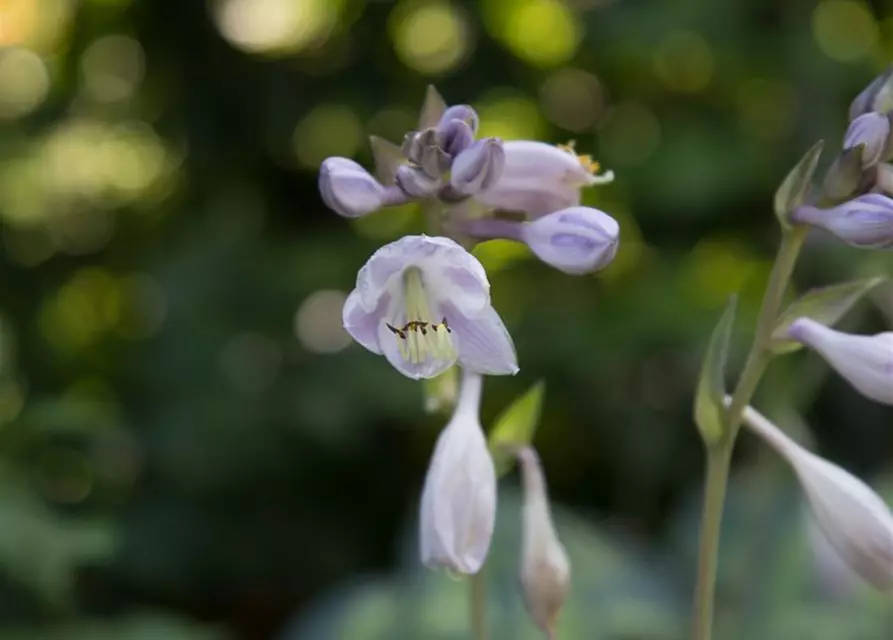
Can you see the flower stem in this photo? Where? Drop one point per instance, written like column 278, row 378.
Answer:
column 477, row 591
column 719, row 455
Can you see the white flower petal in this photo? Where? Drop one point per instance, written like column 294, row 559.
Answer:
column 363, row 325
column 484, row 343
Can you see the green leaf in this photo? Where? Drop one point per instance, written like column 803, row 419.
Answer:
column 432, row 108
column 441, row 391
column 388, row 157
column 826, row 306
column 710, row 408
column 793, row 190
column 515, row 426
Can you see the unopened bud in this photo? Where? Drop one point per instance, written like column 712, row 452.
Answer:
column 877, row 96
column 856, row 521
column 865, row 361
column 454, row 137
column 865, row 222
column 545, row 568
column 458, row 509
column 416, row 183
column 463, row 113
column 478, row 167
column 348, row 189
column 576, row 240
column 872, row 130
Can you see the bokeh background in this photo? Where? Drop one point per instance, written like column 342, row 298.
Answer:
column 191, row 447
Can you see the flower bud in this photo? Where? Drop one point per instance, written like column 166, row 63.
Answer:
column 348, row 189
column 545, row 569
column 865, row 361
column 478, row 167
column 577, row 240
column 856, row 521
column 539, row 178
column 877, row 96
column 873, row 131
column 416, row 183
column 463, row 113
column 458, row 509
column 865, row 222
column 454, row 137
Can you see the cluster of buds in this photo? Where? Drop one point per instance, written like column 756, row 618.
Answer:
column 423, row 302
column 854, row 203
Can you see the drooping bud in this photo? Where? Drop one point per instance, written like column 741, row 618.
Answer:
column 348, row 189
column 877, row 96
column 545, row 569
column 856, row 521
column 576, row 240
column 478, row 167
column 872, row 130
column 865, row 222
column 463, row 113
column 416, row 183
column 458, row 508
column 865, row 361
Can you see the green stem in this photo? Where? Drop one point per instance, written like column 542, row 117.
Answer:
column 477, row 591
column 719, row 456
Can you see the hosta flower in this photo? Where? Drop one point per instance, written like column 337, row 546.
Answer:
column 545, row 569
column 865, row 222
column 873, row 131
column 865, row 361
column 458, row 508
column 856, row 521
column 424, row 303
column 576, row 240
column 348, row 189
column 877, row 96
column 478, row 167
column 540, row 178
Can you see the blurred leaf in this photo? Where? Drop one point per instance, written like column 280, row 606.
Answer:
column 388, row 158
column 516, row 426
column 844, row 175
column 795, row 186
column 441, row 391
column 710, row 395
column 135, row 627
column 432, row 108
column 826, row 306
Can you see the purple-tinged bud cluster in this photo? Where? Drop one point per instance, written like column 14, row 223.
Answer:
column 865, row 222
column 872, row 131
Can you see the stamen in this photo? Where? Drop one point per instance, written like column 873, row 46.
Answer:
column 586, row 161
column 420, row 337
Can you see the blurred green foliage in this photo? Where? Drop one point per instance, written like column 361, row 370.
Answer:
column 184, row 426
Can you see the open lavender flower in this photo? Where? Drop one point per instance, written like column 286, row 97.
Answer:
column 424, row 303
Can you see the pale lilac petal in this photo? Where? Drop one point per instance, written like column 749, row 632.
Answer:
column 363, row 325
column 529, row 197
column 483, row 342
column 427, row 368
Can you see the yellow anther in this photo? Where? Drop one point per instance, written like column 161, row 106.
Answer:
column 589, row 165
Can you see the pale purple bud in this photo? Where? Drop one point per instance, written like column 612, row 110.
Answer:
column 865, row 222
column 463, row 113
column 454, row 137
column 853, row 517
column 873, row 131
column 348, row 189
column 478, row 167
column 416, row 183
column 865, row 361
column 458, row 508
column 877, row 96
column 576, row 240
column 545, row 569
